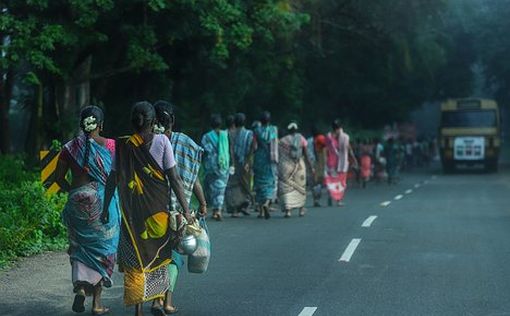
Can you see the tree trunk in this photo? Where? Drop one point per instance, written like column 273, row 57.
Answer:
column 71, row 95
column 6, row 86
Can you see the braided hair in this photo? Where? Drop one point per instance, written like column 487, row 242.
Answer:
column 142, row 116
column 165, row 116
column 91, row 118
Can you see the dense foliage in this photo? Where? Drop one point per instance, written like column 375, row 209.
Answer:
column 367, row 62
column 29, row 219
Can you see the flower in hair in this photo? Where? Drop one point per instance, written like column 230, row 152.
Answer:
column 158, row 129
column 89, row 124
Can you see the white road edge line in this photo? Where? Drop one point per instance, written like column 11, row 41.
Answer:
column 349, row 251
column 409, row 191
column 308, row 311
column 386, row 203
column 368, row 222
column 399, row 197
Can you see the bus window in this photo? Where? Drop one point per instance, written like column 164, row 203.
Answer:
column 477, row 118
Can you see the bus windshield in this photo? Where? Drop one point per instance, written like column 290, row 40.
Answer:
column 474, row 118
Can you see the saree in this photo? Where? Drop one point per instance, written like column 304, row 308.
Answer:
column 292, row 172
column 264, row 163
column 146, row 242
column 238, row 192
column 216, row 165
column 92, row 244
column 337, row 165
column 188, row 156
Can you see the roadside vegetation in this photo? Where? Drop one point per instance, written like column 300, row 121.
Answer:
column 29, row 219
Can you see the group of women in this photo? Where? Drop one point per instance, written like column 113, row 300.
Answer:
column 129, row 199
column 278, row 166
column 129, row 202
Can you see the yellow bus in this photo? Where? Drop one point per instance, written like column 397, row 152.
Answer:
column 470, row 133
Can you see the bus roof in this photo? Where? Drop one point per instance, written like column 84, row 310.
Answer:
column 468, row 104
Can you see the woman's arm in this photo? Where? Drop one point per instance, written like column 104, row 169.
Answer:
column 60, row 175
column 199, row 193
column 178, row 189
column 111, row 185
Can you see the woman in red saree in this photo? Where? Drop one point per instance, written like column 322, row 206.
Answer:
column 337, row 151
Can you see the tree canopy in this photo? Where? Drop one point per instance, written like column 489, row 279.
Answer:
column 367, row 62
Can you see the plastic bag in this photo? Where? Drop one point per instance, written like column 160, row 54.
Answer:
column 199, row 260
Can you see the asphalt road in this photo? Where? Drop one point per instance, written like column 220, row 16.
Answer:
column 442, row 249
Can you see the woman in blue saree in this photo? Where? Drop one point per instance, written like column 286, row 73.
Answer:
column 264, row 164
column 92, row 244
column 216, row 166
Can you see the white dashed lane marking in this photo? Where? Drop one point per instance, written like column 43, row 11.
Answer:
column 308, row 311
column 386, row 203
column 368, row 222
column 349, row 251
column 399, row 197
column 409, row 191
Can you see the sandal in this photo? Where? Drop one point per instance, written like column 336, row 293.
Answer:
column 102, row 311
column 171, row 310
column 79, row 303
column 287, row 214
column 302, row 212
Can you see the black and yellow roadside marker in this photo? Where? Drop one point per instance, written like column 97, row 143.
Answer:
column 49, row 159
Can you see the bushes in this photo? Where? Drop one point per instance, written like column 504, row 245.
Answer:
column 29, row 219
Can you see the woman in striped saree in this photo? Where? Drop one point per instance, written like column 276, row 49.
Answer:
column 92, row 244
column 188, row 156
column 238, row 194
column 144, row 169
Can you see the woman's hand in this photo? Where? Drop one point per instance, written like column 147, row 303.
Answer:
column 188, row 217
column 202, row 211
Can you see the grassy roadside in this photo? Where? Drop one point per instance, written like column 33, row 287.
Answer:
column 29, row 219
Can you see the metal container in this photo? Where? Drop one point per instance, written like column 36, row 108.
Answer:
column 188, row 245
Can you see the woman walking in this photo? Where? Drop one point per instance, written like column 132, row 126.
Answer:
column 338, row 150
column 92, row 244
column 144, row 169
column 292, row 171
column 238, row 194
column 188, row 156
column 264, row 164
column 216, row 166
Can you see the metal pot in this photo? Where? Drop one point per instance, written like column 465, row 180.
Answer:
column 188, row 245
